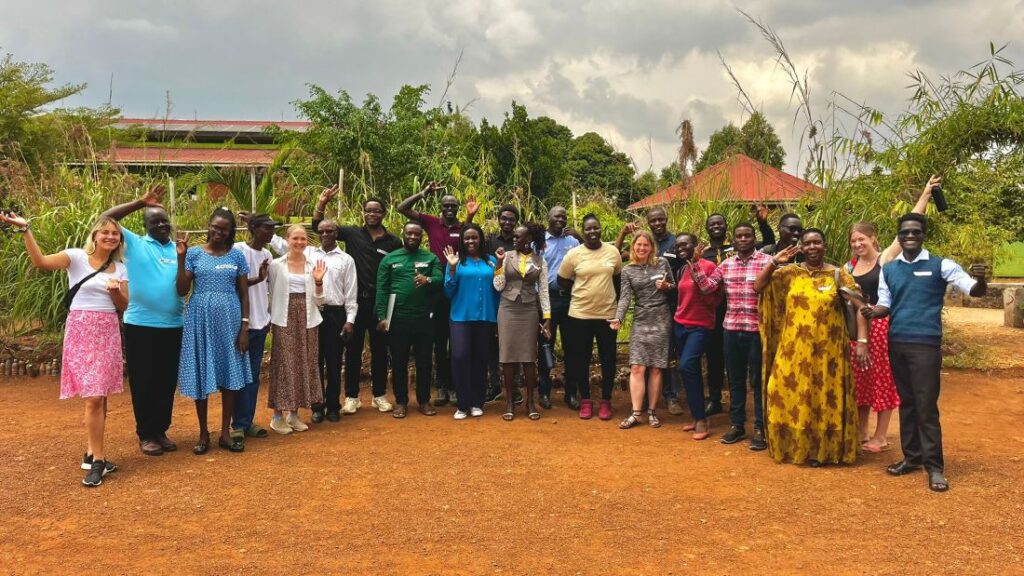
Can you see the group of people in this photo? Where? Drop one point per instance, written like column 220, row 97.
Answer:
column 480, row 314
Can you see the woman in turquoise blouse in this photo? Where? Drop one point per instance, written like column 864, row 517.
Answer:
column 469, row 285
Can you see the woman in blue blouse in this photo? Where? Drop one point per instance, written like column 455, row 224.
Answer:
column 469, row 285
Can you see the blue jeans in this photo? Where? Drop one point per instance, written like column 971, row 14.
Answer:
column 690, row 341
column 245, row 400
column 743, row 357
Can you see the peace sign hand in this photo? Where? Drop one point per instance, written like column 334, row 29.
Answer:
column 451, row 255
column 181, row 243
column 327, row 195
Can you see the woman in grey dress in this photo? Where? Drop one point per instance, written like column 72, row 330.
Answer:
column 647, row 280
column 522, row 281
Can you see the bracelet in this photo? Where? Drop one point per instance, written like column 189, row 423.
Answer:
column 862, row 340
column 246, row 320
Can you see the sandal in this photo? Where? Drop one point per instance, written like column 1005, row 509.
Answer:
column 689, row 427
column 202, row 446
column 652, row 419
column 508, row 416
column 874, row 448
column 630, row 421
column 937, row 482
column 233, row 446
column 533, row 414
column 256, row 431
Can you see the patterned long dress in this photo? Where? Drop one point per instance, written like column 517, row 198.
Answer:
column 650, row 334
column 810, row 410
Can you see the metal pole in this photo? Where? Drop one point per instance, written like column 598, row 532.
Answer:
column 341, row 189
column 170, row 188
column 252, row 186
column 573, row 208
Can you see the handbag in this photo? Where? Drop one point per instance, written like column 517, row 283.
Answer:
column 849, row 310
column 70, row 296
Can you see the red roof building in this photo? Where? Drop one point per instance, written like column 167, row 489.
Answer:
column 738, row 178
column 183, row 157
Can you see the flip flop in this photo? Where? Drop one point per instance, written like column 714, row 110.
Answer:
column 689, row 427
column 256, row 431
column 534, row 416
column 868, row 447
column 508, row 416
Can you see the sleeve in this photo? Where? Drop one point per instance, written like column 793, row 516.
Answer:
column 954, row 274
column 707, row 282
column 120, row 271
column 429, row 221
column 351, row 293
column 383, row 287
column 280, row 245
column 542, row 290
column 451, row 281
column 567, row 269
column 767, row 234
column 190, row 259
column 884, row 296
column 624, row 298
column 131, row 239
column 846, row 280
column 499, row 276
column 243, row 265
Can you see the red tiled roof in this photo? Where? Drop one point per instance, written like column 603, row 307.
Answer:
column 738, row 178
column 191, row 156
column 209, row 125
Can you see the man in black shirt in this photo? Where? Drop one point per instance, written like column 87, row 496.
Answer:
column 790, row 229
column 367, row 245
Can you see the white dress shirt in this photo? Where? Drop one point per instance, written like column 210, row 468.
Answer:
column 952, row 273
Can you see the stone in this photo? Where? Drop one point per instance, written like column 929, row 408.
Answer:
column 1013, row 313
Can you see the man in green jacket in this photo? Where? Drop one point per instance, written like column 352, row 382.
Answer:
column 414, row 277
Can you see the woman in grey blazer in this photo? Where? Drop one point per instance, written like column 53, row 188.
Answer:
column 522, row 281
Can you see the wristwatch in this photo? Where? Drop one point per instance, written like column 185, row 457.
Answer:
column 862, row 340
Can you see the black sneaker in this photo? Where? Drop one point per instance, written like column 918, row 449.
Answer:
column 318, row 417
column 734, row 435
column 442, row 397
column 757, row 443
column 573, row 402
column 492, row 396
column 87, row 464
column 545, row 402
column 712, row 408
column 332, row 416
column 96, row 473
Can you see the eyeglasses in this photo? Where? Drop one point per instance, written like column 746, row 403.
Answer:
column 373, row 211
column 910, row 232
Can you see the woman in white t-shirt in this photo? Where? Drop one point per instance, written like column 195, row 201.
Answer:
column 92, row 361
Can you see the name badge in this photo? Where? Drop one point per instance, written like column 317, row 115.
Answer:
column 668, row 255
column 168, row 261
column 382, row 251
column 454, row 235
column 824, row 288
column 751, row 279
column 226, row 267
column 657, row 277
column 421, row 264
column 923, row 273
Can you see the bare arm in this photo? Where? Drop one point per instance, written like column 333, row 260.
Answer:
column 183, row 281
column 242, row 288
column 893, row 250
column 405, row 208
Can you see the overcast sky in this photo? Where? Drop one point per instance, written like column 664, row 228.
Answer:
column 629, row 70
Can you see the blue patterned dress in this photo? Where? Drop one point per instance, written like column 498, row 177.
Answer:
column 209, row 358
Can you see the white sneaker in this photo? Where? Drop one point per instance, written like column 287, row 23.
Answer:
column 460, row 415
column 280, row 426
column 382, row 404
column 476, row 412
column 296, row 424
column 351, row 406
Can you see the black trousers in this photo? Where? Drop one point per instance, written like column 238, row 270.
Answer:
column 471, row 343
column 559, row 314
column 417, row 335
column 714, row 353
column 916, row 368
column 331, row 349
column 442, row 351
column 366, row 324
column 152, row 355
column 578, row 341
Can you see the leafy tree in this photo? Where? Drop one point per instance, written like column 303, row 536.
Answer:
column 756, row 139
column 594, row 165
column 723, row 143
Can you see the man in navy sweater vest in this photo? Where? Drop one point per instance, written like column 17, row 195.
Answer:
column 911, row 289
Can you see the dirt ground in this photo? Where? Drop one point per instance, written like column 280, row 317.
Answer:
column 558, row 496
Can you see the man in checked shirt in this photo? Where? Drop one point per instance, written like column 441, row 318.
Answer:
column 741, row 339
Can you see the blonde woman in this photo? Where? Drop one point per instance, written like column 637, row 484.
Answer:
column 647, row 281
column 296, row 295
column 92, row 338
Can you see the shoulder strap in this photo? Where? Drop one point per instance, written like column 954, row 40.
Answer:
column 70, row 296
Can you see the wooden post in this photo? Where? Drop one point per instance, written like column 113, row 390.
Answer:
column 341, row 190
column 252, row 188
column 170, row 189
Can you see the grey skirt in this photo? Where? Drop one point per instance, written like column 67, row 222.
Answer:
column 518, row 325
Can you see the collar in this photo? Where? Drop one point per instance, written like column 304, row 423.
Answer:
column 335, row 250
column 748, row 258
column 148, row 238
column 922, row 256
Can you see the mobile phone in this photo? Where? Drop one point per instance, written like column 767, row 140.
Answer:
column 939, row 198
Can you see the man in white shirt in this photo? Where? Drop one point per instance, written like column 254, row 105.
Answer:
column 339, row 313
column 261, row 231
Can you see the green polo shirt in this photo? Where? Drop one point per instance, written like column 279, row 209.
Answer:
column 396, row 275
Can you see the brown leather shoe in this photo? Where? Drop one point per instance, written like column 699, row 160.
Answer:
column 399, row 411
column 166, row 443
column 151, row 448
column 427, row 410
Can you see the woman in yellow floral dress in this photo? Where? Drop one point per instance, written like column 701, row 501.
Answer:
column 810, row 410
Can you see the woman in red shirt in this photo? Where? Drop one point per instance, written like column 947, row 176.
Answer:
column 694, row 319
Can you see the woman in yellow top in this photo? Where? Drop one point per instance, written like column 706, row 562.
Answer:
column 810, row 410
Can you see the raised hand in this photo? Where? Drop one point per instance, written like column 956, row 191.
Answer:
column 243, row 217
column 630, row 228
column 12, row 219
column 181, row 243
column 933, row 182
column 319, row 271
column 451, row 255
column 698, row 252
column 761, row 212
column 471, row 207
column 327, row 195
column 153, row 196
column 787, row 254
column 431, row 188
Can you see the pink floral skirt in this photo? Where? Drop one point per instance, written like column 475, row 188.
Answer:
column 875, row 386
column 92, row 362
